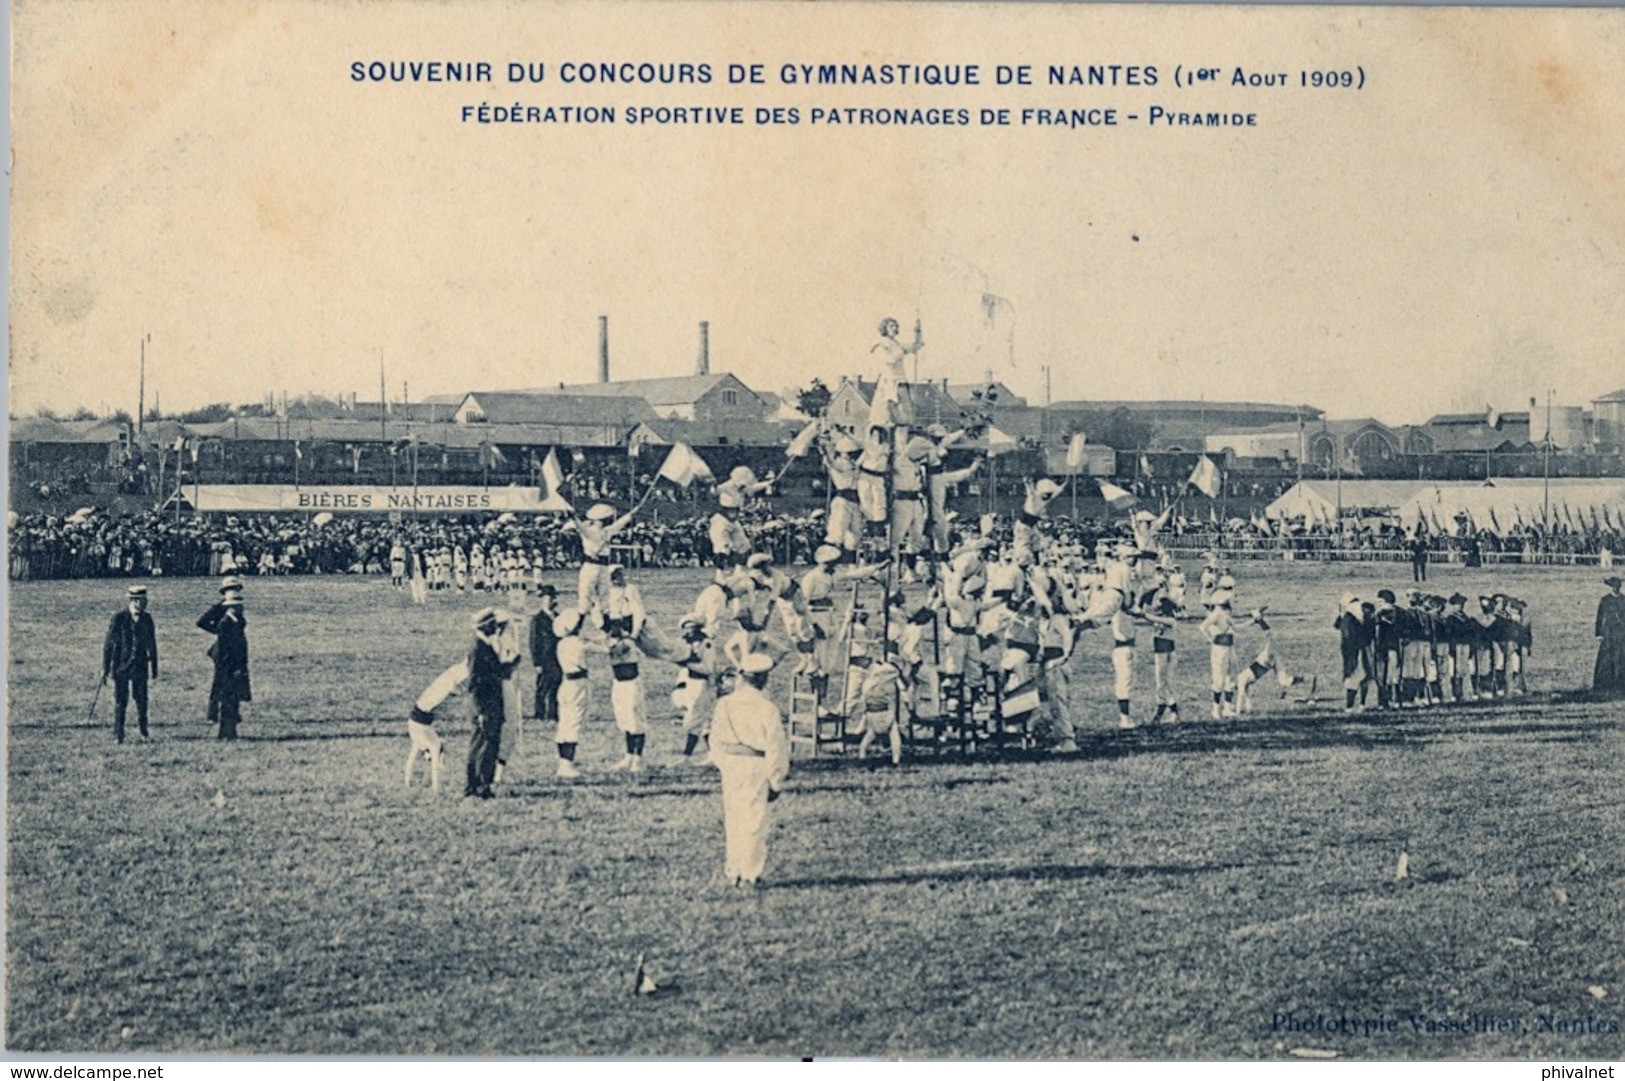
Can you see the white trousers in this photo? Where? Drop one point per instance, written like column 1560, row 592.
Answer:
column 572, row 710
column 1122, row 672
column 626, row 699
column 744, row 814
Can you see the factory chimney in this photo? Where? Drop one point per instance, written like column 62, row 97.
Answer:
column 603, row 348
column 703, row 366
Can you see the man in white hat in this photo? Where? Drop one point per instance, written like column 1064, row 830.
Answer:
column 820, row 640
column 695, row 693
column 908, row 494
column 964, row 593
column 487, row 673
column 597, row 530
column 1219, row 629
column 1113, row 605
column 1034, row 509
column 572, row 656
column 730, row 544
column 749, row 748
column 874, row 470
column 129, row 654
column 845, row 527
column 1163, row 614
column 1354, row 640
column 938, row 483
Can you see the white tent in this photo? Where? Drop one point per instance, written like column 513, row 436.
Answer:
column 1496, row 506
column 1500, row 505
column 1318, row 500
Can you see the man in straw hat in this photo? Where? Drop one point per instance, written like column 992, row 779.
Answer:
column 490, row 662
column 750, row 750
column 230, row 688
column 129, row 653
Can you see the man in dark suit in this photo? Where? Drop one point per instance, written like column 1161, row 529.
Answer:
column 544, row 656
column 230, row 688
column 487, row 668
column 129, row 652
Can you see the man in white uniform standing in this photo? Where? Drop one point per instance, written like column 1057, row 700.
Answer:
column 749, row 748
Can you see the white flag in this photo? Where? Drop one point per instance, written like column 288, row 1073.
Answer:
column 1205, row 477
column 552, row 475
column 999, row 442
column 684, row 467
column 1118, row 498
column 1074, row 452
column 803, row 441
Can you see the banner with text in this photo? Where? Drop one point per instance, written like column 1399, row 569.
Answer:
column 365, row 499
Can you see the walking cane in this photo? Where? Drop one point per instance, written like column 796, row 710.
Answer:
column 90, row 714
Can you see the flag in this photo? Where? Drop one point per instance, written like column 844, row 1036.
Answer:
column 193, row 446
column 1145, row 468
column 1517, row 513
column 684, row 467
column 552, row 475
column 1494, row 521
column 355, row 459
column 803, row 441
column 1568, row 519
column 297, row 451
column 998, row 442
column 1115, row 497
column 1205, row 477
column 1212, row 512
column 179, row 444
column 1452, row 525
column 1074, row 452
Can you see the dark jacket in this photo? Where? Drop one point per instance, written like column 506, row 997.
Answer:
column 543, row 643
column 229, row 652
column 485, row 675
column 131, row 646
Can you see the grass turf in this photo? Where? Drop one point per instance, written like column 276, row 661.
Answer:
column 1173, row 892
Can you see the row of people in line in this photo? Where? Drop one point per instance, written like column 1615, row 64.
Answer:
column 1433, row 649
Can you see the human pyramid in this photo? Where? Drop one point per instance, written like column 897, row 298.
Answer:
column 985, row 647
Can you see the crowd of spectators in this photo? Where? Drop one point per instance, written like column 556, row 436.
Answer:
column 671, row 531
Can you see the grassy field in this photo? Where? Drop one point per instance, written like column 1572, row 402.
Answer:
column 1170, row 893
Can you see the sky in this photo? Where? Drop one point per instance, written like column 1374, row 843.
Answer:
column 207, row 182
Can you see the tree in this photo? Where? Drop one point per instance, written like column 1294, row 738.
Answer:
column 45, row 412
column 84, row 413
column 213, row 413
column 120, row 416
column 1118, row 429
column 813, row 399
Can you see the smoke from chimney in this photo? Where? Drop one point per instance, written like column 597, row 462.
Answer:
column 703, row 366
column 603, row 348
